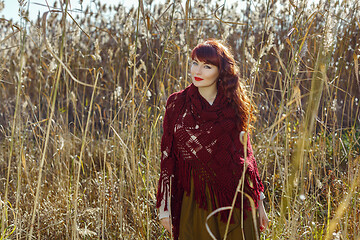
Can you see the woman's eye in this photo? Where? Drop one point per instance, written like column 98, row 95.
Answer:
column 194, row 63
column 207, row 67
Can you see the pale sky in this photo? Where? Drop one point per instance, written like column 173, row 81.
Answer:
column 11, row 10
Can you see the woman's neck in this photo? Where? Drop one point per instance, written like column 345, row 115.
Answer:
column 209, row 93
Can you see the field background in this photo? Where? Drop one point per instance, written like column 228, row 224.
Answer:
column 82, row 100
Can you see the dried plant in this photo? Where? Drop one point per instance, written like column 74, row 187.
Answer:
column 82, row 99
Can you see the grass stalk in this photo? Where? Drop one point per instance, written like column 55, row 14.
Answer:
column 344, row 204
column 45, row 120
column 75, row 235
column 14, row 126
column 53, row 102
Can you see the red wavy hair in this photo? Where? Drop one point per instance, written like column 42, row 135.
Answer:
column 219, row 54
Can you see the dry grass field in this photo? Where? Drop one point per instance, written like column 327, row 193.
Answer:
column 82, row 100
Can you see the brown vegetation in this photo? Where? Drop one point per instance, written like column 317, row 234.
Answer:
column 82, row 102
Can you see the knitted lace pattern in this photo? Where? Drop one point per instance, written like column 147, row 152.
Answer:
column 201, row 141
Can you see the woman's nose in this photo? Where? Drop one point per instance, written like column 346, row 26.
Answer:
column 198, row 70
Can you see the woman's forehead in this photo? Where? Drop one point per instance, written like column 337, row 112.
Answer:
column 204, row 62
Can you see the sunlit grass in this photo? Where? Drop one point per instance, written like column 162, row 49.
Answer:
column 82, row 162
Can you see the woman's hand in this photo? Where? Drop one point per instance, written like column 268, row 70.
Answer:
column 264, row 220
column 166, row 222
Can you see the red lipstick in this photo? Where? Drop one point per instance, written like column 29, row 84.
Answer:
column 198, row 79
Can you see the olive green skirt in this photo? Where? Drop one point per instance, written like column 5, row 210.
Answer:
column 193, row 219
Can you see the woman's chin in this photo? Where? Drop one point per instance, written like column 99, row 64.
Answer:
column 197, row 83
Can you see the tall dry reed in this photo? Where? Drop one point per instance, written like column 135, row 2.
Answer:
column 82, row 101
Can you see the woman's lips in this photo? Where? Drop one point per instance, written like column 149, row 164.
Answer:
column 198, row 79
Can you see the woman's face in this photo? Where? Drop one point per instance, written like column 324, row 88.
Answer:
column 203, row 74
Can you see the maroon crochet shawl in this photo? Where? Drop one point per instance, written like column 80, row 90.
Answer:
column 201, row 141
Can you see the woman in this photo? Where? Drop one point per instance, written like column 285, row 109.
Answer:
column 203, row 156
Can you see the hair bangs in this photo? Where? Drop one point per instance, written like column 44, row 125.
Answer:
column 206, row 53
